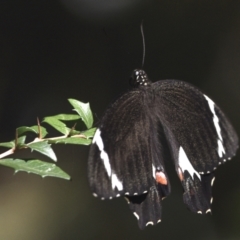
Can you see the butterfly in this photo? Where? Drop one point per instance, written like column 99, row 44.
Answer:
column 149, row 125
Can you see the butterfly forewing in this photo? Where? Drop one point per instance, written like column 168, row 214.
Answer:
column 229, row 136
column 199, row 135
column 121, row 157
column 196, row 123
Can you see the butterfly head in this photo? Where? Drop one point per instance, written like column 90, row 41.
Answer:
column 139, row 78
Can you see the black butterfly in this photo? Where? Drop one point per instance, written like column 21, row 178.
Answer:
column 138, row 131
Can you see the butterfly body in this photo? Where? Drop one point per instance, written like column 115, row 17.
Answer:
column 137, row 131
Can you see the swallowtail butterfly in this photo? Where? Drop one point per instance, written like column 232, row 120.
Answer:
column 139, row 129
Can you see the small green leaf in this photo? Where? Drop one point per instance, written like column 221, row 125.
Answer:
column 55, row 122
column 73, row 132
column 34, row 129
column 72, row 140
column 89, row 133
column 8, row 144
column 35, row 166
column 21, row 141
column 44, row 148
column 58, row 125
column 84, row 111
column 67, row 117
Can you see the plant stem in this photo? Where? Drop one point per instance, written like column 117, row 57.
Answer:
column 12, row 150
column 8, row 152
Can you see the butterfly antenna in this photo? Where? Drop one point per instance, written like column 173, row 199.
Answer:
column 143, row 39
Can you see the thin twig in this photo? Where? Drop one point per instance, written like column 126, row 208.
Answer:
column 8, row 152
column 39, row 128
column 16, row 137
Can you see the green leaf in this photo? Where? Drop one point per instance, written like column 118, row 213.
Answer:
column 67, row 117
column 84, row 111
column 72, row 140
column 73, row 132
column 21, row 141
column 8, row 144
column 89, row 133
column 58, row 125
column 34, row 129
column 35, row 166
column 44, row 148
column 55, row 122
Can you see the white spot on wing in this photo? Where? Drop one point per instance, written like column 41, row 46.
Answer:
column 104, row 156
column 212, row 181
column 136, row 215
column 208, row 211
column 116, row 182
column 185, row 164
column 153, row 171
column 221, row 149
column 199, row 212
column 149, row 223
column 94, row 194
column 159, row 221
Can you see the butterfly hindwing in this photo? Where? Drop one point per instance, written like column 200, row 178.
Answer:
column 197, row 188
column 197, row 192
column 147, row 207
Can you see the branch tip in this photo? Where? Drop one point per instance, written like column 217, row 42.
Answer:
column 16, row 138
column 39, row 129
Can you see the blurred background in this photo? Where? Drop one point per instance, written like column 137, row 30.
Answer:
column 86, row 49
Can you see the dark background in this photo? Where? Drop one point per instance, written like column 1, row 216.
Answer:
column 86, row 49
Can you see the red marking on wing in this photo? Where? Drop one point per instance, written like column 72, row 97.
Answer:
column 180, row 174
column 161, row 178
